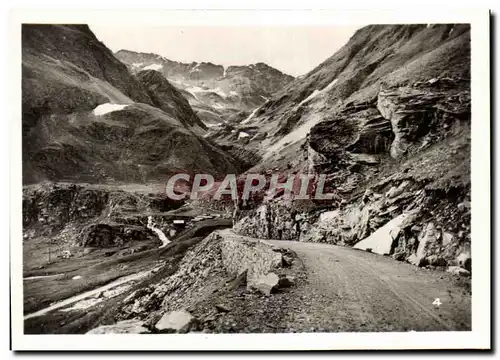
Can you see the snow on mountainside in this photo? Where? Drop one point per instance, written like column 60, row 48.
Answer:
column 214, row 91
column 86, row 118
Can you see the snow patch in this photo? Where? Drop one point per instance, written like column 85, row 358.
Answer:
column 250, row 116
column 136, row 65
column 242, row 135
column 107, row 108
column 233, row 93
column 224, row 73
column 318, row 92
column 154, row 67
column 174, row 81
column 214, row 125
column 294, row 136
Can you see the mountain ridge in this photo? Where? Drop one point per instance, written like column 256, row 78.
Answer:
column 214, row 91
column 86, row 118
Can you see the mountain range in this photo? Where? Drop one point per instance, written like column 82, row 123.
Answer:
column 214, row 91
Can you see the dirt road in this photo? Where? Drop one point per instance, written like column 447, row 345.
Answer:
column 353, row 290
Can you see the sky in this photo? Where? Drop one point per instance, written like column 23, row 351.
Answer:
column 293, row 50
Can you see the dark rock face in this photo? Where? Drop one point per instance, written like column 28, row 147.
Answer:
column 423, row 110
column 90, row 216
column 112, row 235
column 56, row 205
column 168, row 98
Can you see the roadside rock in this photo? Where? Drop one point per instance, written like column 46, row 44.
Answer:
column 457, row 270
column 400, row 256
column 267, row 283
column 286, row 281
column 464, row 260
column 176, row 321
column 122, row 327
column 435, row 260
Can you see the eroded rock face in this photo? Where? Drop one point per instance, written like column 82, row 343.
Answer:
column 276, row 220
column 423, row 110
column 111, row 235
column 92, row 216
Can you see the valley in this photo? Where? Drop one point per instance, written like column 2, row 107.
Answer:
column 386, row 120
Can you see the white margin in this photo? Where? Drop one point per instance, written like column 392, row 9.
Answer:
column 479, row 337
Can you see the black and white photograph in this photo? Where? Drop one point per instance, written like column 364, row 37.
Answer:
column 191, row 178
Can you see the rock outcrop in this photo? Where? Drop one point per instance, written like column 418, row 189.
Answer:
column 176, row 321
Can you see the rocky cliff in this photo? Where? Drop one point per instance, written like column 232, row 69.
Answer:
column 387, row 119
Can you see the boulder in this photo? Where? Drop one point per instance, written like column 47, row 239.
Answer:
column 457, row 270
column 176, row 321
column 122, row 327
column 415, row 260
column 436, row 260
column 464, row 261
column 238, row 281
column 267, row 283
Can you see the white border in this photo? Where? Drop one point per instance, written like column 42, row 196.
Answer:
column 479, row 337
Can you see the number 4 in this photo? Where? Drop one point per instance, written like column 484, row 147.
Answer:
column 437, row 302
